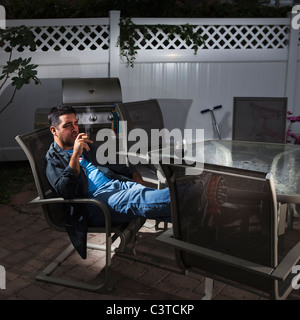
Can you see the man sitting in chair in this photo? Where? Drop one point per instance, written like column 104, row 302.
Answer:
column 73, row 171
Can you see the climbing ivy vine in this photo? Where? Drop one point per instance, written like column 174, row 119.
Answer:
column 130, row 33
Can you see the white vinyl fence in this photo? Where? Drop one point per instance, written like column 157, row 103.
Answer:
column 241, row 58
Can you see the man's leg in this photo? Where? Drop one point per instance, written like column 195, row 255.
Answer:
column 127, row 200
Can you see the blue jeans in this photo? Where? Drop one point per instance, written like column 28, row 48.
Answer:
column 128, row 200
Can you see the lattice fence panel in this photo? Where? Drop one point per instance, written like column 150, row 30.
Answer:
column 220, row 37
column 97, row 37
column 69, row 38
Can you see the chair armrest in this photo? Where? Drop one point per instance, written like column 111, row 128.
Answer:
column 167, row 237
column 98, row 203
column 285, row 267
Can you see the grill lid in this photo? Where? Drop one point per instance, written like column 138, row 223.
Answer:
column 91, row 91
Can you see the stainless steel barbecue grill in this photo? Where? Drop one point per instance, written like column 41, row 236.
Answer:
column 92, row 98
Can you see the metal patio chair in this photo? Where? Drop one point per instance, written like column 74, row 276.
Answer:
column 35, row 146
column 225, row 227
column 145, row 115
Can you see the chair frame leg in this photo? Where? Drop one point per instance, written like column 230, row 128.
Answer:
column 45, row 275
column 208, row 289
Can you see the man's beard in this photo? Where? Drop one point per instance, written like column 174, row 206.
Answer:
column 69, row 142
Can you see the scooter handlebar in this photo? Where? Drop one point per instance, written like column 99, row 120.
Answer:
column 210, row 109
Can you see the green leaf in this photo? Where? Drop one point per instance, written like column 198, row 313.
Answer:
column 130, row 33
column 18, row 82
column 17, row 38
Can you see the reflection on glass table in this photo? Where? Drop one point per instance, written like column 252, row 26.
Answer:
column 282, row 160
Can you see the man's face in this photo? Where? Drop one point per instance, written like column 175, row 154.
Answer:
column 66, row 132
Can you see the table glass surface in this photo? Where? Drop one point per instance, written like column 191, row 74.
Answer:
column 282, row 160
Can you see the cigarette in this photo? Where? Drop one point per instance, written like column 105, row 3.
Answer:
column 84, row 137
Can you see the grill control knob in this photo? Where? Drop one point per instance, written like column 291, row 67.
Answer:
column 110, row 117
column 93, row 118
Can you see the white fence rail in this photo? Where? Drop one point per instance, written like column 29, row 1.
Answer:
column 241, row 57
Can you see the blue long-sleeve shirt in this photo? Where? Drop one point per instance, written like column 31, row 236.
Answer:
column 63, row 180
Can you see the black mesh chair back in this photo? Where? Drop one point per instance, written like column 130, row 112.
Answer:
column 35, row 145
column 259, row 119
column 145, row 115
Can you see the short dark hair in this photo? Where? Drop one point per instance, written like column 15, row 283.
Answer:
column 56, row 112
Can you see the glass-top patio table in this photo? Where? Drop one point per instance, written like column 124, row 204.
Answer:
column 282, row 160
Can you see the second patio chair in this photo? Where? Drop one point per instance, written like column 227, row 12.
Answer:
column 225, row 227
